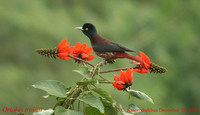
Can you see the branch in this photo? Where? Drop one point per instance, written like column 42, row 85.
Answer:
column 113, row 70
column 96, row 68
column 79, row 59
column 76, row 92
column 52, row 52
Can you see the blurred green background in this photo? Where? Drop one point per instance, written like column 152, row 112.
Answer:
column 167, row 31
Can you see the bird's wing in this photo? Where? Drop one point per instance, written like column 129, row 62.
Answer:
column 122, row 47
column 110, row 47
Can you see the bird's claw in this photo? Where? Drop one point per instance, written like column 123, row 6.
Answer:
column 110, row 61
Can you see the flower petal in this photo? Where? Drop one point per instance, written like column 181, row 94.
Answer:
column 144, row 57
column 83, row 46
column 63, row 42
column 129, row 75
column 117, row 78
column 63, row 56
column 84, row 55
column 90, row 57
column 144, row 67
column 89, row 50
column 78, row 45
column 64, row 48
column 118, row 86
column 123, row 76
column 83, row 51
column 141, row 70
column 138, row 57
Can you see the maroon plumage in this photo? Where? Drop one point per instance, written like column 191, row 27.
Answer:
column 105, row 48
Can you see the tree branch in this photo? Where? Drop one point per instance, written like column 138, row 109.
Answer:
column 79, row 59
column 113, row 70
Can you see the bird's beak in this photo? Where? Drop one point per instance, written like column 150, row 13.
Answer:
column 79, row 28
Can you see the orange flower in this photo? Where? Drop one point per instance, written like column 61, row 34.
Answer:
column 124, row 80
column 81, row 51
column 64, row 49
column 147, row 63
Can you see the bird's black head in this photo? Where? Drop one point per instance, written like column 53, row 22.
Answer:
column 88, row 29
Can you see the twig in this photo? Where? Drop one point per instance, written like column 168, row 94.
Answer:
column 81, row 60
column 77, row 91
column 113, row 70
column 109, row 82
column 102, row 77
column 78, row 105
column 96, row 68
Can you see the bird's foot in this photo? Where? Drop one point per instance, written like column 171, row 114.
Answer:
column 110, row 61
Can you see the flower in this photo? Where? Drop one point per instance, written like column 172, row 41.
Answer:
column 81, row 51
column 124, row 80
column 147, row 63
column 64, row 49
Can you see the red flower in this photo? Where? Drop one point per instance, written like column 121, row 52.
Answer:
column 81, row 51
column 147, row 63
column 64, row 49
column 124, row 80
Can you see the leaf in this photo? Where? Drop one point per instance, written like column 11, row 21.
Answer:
column 92, row 101
column 140, row 95
column 104, row 94
column 124, row 111
column 52, row 87
column 86, row 82
column 84, row 71
column 134, row 109
column 44, row 112
column 62, row 111
column 91, row 110
column 108, row 108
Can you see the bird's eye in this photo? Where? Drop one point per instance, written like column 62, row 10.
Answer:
column 86, row 29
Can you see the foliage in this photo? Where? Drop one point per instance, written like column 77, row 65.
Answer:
column 94, row 99
column 167, row 30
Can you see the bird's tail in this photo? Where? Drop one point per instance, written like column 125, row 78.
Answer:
column 125, row 55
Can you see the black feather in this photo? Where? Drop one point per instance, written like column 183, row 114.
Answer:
column 110, row 47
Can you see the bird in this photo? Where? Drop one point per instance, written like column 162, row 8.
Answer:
column 105, row 48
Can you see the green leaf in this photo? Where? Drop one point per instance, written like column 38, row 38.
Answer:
column 135, row 108
column 108, row 108
column 62, row 111
column 84, row 71
column 86, row 82
column 92, row 101
column 52, row 87
column 104, row 94
column 124, row 111
column 140, row 95
column 91, row 110
column 44, row 112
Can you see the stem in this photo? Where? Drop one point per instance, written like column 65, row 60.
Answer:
column 113, row 70
column 79, row 59
column 77, row 91
column 84, row 112
column 96, row 68
column 102, row 77
column 108, row 82
column 78, row 105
